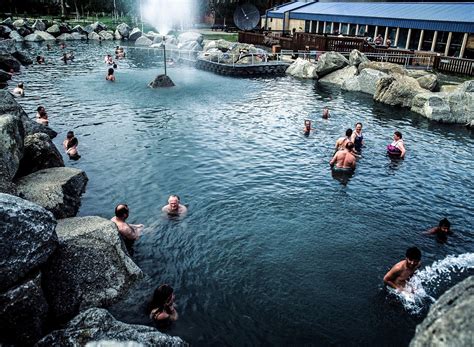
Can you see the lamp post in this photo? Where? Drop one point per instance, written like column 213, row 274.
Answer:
column 164, row 53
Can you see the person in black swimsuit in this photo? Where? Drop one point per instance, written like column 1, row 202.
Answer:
column 357, row 138
column 162, row 310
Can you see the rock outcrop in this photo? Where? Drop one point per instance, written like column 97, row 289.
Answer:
column 356, row 58
column 450, row 321
column 397, row 90
column 135, row 34
column 329, row 62
column 98, row 324
column 365, row 82
column 161, row 81
column 385, row 67
column 340, row 76
column 302, row 68
column 11, row 144
column 57, row 189
column 143, row 41
column 89, row 268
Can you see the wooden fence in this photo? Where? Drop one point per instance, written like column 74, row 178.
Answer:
column 314, row 42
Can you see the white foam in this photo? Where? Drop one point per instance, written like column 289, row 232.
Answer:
column 415, row 297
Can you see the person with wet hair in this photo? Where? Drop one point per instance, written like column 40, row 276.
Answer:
column 110, row 75
column 40, row 59
column 341, row 142
column 19, row 90
column 161, row 307
column 42, row 116
column 441, row 231
column 326, row 113
column 401, row 272
column 307, row 127
column 129, row 232
column 344, row 161
column 397, row 148
column 70, row 145
column 174, row 208
column 357, row 137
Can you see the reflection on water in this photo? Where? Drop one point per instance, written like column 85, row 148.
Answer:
column 273, row 250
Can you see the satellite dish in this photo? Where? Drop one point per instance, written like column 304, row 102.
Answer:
column 246, row 16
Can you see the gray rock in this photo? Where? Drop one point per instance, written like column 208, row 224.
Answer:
column 23, row 309
column 39, row 153
column 123, row 29
column 384, row 67
column 365, row 82
column 98, row 27
column 39, row 25
column 158, row 39
column 89, row 269
column 192, row 46
column 114, row 343
column 94, row 36
column 98, row 324
column 8, row 21
column 24, row 31
column 117, row 35
column 428, row 81
column 397, row 90
column 432, row 106
column 7, row 46
column 46, row 36
column 449, row 88
column 65, row 37
column 5, row 31
column 57, row 189
column 32, row 242
column 79, row 29
column 134, row 34
column 106, row 35
column 19, row 23
column 339, row 76
column 329, row 62
column 23, row 57
column 302, row 69
column 4, row 76
column 356, row 58
column 450, row 321
column 6, row 186
column 34, row 38
column 461, row 103
column 143, row 41
column 11, row 144
column 190, row 36
column 54, row 30
column 64, row 28
column 88, row 29
column 161, row 81
column 8, row 62
column 78, row 36
column 16, row 37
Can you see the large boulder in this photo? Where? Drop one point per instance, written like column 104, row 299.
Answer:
column 134, row 34
column 4, row 76
column 338, row 77
column 7, row 46
column 98, row 27
column 302, row 68
column 385, row 67
column 432, row 106
column 39, row 153
column 9, row 62
column 39, row 25
column 450, row 321
column 106, row 35
column 143, row 41
column 24, row 31
column 356, row 58
column 23, row 57
column 23, row 311
column 28, row 238
column 90, row 267
column 65, row 37
column 365, row 82
column 397, row 90
column 329, row 62
column 57, row 189
column 5, row 31
column 428, row 81
column 161, row 81
column 88, row 29
column 20, row 23
column 11, row 144
column 449, row 88
column 98, row 324
column 123, row 29
column 46, row 36
column 16, row 37
column 190, row 36
column 94, row 36
column 117, row 35
column 33, row 38
column 79, row 29
column 54, row 30
column 190, row 46
column 78, row 36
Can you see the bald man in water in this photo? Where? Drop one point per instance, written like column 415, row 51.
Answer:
column 129, row 232
column 401, row 272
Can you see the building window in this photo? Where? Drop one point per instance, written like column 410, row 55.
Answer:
column 427, row 40
column 441, row 41
column 307, row 24
column 414, row 39
column 402, row 38
column 343, row 29
column 352, row 30
column 327, row 29
column 313, row 26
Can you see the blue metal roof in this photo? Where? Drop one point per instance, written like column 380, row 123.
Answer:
column 457, row 17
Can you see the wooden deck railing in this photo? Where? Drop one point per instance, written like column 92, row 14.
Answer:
column 455, row 65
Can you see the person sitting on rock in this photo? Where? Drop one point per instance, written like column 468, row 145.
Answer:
column 162, row 310
column 19, row 90
column 174, row 208
column 110, row 75
column 70, row 146
column 129, row 232
column 42, row 116
column 40, row 60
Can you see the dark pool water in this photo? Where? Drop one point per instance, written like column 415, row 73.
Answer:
column 274, row 251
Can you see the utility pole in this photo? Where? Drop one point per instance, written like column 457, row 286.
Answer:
column 62, row 8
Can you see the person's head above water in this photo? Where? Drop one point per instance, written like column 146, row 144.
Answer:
column 20, row 85
column 70, row 135
column 398, row 134
column 444, row 225
column 349, row 132
column 350, row 146
column 173, row 202
column 111, row 71
column 413, row 257
column 358, row 126
column 162, row 295
column 121, row 211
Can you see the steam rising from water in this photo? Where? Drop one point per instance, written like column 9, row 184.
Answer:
column 166, row 15
column 414, row 298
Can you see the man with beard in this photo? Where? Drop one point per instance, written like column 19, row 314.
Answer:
column 401, row 272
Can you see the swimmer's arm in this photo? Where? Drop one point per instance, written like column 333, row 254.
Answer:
column 333, row 160
column 431, row 231
column 390, row 277
column 402, row 149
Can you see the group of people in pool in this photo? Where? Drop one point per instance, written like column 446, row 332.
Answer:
column 119, row 54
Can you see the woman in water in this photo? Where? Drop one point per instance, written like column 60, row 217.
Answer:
column 357, row 138
column 70, row 146
column 397, row 147
column 162, row 307
column 110, row 75
column 19, row 90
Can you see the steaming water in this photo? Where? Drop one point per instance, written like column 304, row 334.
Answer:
column 274, row 250
column 166, row 15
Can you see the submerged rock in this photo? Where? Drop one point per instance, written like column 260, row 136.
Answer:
column 98, row 324
column 450, row 321
column 57, row 189
column 161, row 81
column 28, row 238
column 89, row 269
column 9, row 62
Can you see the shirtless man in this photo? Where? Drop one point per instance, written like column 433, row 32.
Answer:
column 174, row 208
column 401, row 272
column 129, row 232
column 341, row 142
column 326, row 113
column 344, row 160
column 42, row 116
column 441, row 231
column 19, row 90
